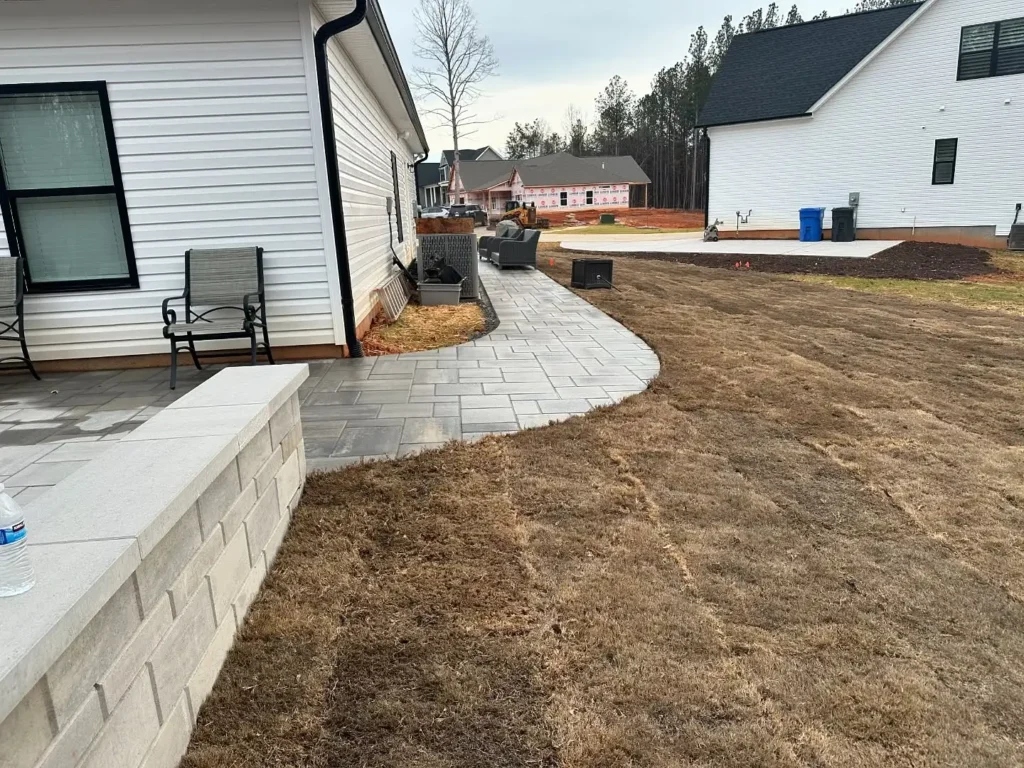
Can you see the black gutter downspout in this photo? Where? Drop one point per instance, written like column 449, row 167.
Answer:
column 320, row 40
column 707, row 181
column 416, row 175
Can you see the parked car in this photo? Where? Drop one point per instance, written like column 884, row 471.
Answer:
column 474, row 212
column 434, row 212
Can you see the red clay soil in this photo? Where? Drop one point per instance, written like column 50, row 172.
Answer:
column 635, row 217
column 907, row 261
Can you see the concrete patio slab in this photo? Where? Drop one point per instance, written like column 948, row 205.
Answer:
column 860, row 249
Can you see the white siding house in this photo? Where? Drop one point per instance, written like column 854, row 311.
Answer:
column 215, row 117
column 876, row 128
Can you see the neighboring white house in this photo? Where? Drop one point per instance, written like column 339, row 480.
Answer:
column 446, row 167
column 919, row 109
column 133, row 130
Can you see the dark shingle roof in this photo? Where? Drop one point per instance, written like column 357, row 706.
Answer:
column 465, row 155
column 783, row 72
column 553, row 170
column 485, row 173
column 428, row 174
column 562, row 168
column 623, row 166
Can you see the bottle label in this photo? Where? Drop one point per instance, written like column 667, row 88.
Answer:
column 13, row 534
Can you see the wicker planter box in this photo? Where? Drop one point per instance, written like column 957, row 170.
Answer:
column 458, row 252
column 440, row 294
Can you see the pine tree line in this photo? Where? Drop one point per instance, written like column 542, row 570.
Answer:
column 659, row 128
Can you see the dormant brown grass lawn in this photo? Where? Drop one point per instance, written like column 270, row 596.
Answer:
column 803, row 547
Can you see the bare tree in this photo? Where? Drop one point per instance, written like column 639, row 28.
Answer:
column 456, row 61
column 574, row 128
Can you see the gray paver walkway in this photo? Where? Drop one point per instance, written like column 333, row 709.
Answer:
column 554, row 356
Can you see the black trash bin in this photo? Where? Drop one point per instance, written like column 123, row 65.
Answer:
column 844, row 230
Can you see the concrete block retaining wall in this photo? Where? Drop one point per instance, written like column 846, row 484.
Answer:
column 147, row 561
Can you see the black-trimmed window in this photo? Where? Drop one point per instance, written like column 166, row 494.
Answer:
column 398, row 198
column 944, row 165
column 563, row 199
column 991, row 50
column 60, row 188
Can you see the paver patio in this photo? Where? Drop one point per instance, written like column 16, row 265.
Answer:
column 553, row 356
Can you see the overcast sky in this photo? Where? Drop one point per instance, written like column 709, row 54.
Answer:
column 563, row 52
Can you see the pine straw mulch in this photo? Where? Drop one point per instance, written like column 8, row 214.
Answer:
column 422, row 328
column 802, row 547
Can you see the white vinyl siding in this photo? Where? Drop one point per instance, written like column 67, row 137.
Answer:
column 366, row 137
column 213, row 130
column 877, row 135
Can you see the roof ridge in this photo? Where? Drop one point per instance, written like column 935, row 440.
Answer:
column 782, row 27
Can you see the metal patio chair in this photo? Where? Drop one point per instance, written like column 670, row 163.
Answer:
column 12, row 311
column 226, row 284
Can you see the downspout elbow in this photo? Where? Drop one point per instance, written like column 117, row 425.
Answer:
column 416, row 175
column 320, row 41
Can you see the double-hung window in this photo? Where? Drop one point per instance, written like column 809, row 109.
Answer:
column 992, row 50
column 60, row 188
column 944, row 164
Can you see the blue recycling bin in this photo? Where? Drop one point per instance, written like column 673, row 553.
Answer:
column 812, row 221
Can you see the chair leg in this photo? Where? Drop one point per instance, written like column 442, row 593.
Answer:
column 266, row 344
column 28, row 360
column 195, row 355
column 174, row 365
column 253, row 346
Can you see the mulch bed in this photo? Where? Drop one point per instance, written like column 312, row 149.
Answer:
column 907, row 261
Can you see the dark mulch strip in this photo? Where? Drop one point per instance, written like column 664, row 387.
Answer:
column 907, row 261
column 491, row 319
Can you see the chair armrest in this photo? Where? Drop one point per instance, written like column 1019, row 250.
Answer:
column 249, row 308
column 509, row 247
column 170, row 316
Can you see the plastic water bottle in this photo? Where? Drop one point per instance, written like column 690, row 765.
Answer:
column 16, row 574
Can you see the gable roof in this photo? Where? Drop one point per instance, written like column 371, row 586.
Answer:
column 623, row 166
column 465, row 155
column 428, row 174
column 562, row 168
column 559, row 169
column 484, row 174
column 783, row 72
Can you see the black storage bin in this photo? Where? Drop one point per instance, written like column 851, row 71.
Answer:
column 591, row 273
column 844, row 230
